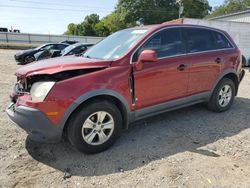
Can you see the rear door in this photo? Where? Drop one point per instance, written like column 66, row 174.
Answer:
column 203, row 58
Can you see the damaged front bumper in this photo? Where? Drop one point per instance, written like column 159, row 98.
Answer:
column 35, row 123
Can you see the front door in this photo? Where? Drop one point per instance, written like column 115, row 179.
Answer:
column 166, row 79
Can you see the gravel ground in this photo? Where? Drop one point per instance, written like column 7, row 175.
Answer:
column 191, row 147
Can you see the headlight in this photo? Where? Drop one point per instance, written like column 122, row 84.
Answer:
column 39, row 90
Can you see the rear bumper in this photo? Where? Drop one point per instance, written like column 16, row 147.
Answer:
column 35, row 123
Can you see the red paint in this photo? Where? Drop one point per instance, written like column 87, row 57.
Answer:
column 155, row 82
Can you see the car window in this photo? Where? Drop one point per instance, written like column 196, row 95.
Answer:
column 166, row 43
column 221, row 41
column 199, row 39
column 48, row 47
column 79, row 49
column 59, row 47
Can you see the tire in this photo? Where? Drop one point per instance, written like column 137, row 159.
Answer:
column 84, row 124
column 216, row 101
column 28, row 59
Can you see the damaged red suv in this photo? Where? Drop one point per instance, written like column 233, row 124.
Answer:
column 132, row 74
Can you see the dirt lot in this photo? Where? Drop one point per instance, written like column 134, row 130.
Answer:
column 191, row 147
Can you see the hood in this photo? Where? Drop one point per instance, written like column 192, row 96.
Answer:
column 26, row 52
column 60, row 64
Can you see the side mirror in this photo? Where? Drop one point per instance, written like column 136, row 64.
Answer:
column 149, row 56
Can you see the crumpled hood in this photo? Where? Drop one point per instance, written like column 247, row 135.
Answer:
column 60, row 64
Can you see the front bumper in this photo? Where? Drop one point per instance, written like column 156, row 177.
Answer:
column 18, row 58
column 35, row 123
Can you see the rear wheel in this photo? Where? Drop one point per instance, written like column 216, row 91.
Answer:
column 223, row 96
column 95, row 127
column 29, row 59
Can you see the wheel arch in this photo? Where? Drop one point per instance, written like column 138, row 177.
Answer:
column 231, row 74
column 108, row 95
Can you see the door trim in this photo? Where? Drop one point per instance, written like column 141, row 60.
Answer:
column 171, row 105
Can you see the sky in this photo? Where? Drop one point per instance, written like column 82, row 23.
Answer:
column 52, row 17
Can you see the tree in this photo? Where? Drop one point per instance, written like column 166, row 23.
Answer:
column 152, row 11
column 71, row 29
column 114, row 22
column 89, row 24
column 86, row 28
column 101, row 29
column 127, row 12
column 230, row 6
column 196, row 8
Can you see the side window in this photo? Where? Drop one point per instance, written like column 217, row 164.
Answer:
column 166, row 43
column 79, row 49
column 199, row 40
column 48, row 47
column 221, row 41
column 59, row 47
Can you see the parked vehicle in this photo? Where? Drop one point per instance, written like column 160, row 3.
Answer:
column 3, row 29
column 70, row 42
column 27, row 56
column 74, row 49
column 132, row 74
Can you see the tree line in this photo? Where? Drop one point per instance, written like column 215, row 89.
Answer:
column 127, row 12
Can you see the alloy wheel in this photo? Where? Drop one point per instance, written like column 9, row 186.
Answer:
column 225, row 95
column 98, row 128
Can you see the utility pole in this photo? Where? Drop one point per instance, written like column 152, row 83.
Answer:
column 181, row 7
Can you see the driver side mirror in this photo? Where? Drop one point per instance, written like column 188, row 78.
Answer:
column 148, row 56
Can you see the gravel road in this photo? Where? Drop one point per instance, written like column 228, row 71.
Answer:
column 191, row 147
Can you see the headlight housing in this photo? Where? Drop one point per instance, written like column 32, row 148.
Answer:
column 40, row 90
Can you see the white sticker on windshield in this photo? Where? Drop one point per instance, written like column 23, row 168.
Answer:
column 139, row 31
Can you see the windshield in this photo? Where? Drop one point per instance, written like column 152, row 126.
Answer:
column 39, row 47
column 67, row 49
column 116, row 45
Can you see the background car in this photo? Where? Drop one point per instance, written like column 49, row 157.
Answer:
column 27, row 56
column 75, row 49
column 70, row 42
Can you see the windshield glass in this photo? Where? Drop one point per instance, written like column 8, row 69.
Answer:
column 116, row 45
column 67, row 49
column 39, row 47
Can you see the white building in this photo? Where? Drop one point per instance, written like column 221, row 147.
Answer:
column 241, row 16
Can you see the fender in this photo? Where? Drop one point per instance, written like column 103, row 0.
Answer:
column 223, row 74
column 92, row 94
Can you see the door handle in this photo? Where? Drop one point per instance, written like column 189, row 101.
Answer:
column 217, row 60
column 182, row 67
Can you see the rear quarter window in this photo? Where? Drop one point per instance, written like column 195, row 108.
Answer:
column 221, row 41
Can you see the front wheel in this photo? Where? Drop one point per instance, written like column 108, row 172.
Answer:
column 28, row 59
column 95, row 127
column 223, row 96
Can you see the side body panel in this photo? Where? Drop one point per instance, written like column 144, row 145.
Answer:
column 160, row 81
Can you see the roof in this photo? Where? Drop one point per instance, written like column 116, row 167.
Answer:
column 246, row 11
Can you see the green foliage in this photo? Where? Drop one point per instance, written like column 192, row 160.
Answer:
column 196, row 8
column 230, row 6
column 127, row 12
column 152, row 12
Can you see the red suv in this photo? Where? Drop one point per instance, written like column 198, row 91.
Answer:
column 132, row 74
